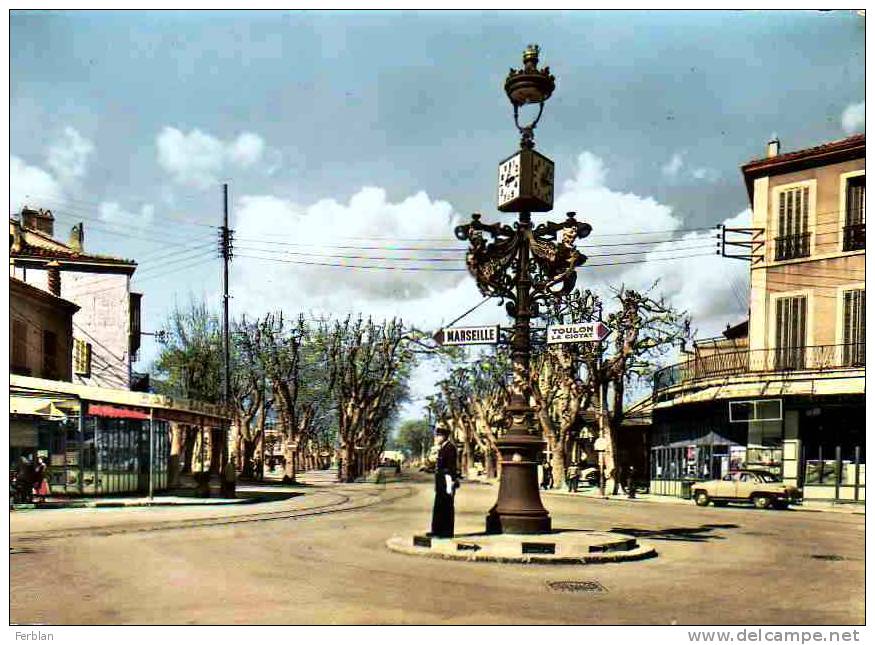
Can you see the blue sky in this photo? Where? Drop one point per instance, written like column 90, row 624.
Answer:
column 131, row 121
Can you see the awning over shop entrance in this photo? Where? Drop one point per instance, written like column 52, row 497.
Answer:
column 712, row 438
column 43, row 406
column 114, row 412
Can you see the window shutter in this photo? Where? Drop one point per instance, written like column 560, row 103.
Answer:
column 81, row 357
column 19, row 346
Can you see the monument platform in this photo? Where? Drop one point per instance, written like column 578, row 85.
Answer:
column 557, row 547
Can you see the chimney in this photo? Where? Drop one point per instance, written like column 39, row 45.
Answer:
column 773, row 148
column 77, row 237
column 41, row 220
column 54, row 268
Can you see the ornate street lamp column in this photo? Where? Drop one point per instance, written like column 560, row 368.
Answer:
column 523, row 265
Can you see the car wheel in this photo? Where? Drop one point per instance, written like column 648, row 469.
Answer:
column 762, row 501
column 702, row 498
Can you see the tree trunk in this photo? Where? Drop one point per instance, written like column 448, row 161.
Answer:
column 490, row 458
column 290, row 470
column 177, row 456
column 347, row 464
column 558, row 463
column 247, row 454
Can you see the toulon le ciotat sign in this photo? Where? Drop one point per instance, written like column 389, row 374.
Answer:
column 576, row 333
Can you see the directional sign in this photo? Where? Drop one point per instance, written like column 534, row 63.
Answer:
column 487, row 335
column 577, row 333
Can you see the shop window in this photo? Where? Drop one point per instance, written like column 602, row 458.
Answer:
column 854, row 328
column 793, row 236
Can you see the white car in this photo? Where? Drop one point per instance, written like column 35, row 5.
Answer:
column 759, row 487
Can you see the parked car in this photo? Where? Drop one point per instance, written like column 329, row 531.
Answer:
column 759, row 487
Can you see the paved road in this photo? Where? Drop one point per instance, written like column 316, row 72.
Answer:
column 320, row 558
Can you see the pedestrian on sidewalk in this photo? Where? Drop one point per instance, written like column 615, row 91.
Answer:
column 630, row 482
column 446, row 481
column 24, row 481
column 229, row 479
column 40, row 483
column 572, row 477
column 547, row 481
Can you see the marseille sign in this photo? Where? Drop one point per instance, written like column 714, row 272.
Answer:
column 577, row 333
column 487, row 335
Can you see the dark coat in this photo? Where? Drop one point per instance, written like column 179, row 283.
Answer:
column 443, row 515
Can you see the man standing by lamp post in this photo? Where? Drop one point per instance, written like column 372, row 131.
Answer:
column 446, row 480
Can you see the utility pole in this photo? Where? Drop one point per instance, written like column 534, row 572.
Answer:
column 226, row 237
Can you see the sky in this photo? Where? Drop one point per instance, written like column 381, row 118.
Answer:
column 371, row 134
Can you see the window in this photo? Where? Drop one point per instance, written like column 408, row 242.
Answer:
column 790, row 333
column 793, row 236
column 19, row 348
column 854, row 327
column 854, row 238
column 81, row 357
column 134, row 339
column 50, row 354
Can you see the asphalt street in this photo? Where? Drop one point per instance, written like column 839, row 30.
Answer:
column 320, row 558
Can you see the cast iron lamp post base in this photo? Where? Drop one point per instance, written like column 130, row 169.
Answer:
column 519, row 509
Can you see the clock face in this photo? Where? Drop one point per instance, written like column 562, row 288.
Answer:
column 542, row 179
column 508, row 180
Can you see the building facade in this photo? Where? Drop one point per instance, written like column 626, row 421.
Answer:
column 40, row 333
column 106, row 327
column 783, row 391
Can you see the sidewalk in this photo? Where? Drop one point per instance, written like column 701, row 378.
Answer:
column 248, row 493
column 593, row 492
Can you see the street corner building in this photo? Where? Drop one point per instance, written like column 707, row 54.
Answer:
column 784, row 390
column 74, row 399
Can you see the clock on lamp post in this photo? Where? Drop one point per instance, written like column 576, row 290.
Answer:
column 525, row 183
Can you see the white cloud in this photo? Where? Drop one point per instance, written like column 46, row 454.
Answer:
column 68, row 157
column 711, row 288
column 673, row 167
column 315, row 231
column 31, row 186
column 854, row 117
column 113, row 213
column 246, row 149
column 198, row 159
column 677, row 168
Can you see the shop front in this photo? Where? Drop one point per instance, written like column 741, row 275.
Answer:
column 97, row 441
column 814, row 443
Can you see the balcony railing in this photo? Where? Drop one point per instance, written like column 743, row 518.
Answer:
column 780, row 360
column 855, row 237
column 790, row 247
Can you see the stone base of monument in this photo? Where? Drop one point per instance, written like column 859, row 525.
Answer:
column 557, row 547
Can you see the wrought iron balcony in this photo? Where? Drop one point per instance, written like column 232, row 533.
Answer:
column 790, row 247
column 855, row 237
column 775, row 361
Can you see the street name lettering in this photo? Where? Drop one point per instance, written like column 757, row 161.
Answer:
column 576, row 333
column 487, row 335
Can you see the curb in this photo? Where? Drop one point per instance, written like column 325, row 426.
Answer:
column 135, row 504
column 677, row 501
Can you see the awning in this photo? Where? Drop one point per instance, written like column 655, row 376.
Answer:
column 115, row 412
column 42, row 406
